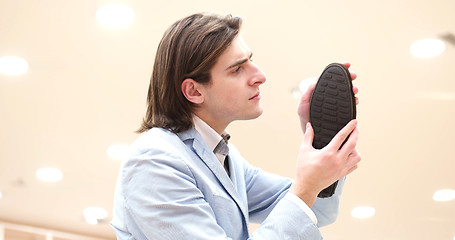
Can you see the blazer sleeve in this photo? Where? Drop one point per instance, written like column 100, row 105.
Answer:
column 287, row 221
column 327, row 209
column 280, row 217
column 265, row 190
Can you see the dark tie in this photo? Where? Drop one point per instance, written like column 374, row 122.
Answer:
column 223, row 149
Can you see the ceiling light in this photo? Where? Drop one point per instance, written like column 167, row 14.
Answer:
column 295, row 93
column 12, row 65
column 49, row 174
column 363, row 212
column 444, row 195
column 119, row 152
column 93, row 215
column 1, row 195
column 427, row 48
column 115, row 15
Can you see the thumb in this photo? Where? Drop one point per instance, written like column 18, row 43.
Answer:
column 311, row 85
column 309, row 135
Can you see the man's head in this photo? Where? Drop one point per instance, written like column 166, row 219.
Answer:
column 188, row 50
column 233, row 91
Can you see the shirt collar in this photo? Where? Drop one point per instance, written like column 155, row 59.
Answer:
column 210, row 136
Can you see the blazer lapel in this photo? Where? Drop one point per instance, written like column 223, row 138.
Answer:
column 209, row 158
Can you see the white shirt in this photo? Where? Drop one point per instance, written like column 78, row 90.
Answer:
column 212, row 138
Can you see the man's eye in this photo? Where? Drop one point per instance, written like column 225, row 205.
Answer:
column 237, row 69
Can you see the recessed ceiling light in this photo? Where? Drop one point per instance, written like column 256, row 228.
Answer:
column 12, row 65
column 444, row 195
column 363, row 212
column 295, row 93
column 1, row 195
column 115, row 15
column 119, row 152
column 93, row 215
column 427, row 48
column 49, row 174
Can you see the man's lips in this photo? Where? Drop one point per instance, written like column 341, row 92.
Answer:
column 256, row 96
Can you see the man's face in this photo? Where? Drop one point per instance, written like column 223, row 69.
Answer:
column 233, row 93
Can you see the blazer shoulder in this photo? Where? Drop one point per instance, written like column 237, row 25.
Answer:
column 155, row 138
column 159, row 148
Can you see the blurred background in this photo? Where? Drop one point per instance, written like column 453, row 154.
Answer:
column 74, row 77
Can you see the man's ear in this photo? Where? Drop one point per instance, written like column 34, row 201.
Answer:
column 191, row 92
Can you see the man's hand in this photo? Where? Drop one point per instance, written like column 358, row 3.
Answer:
column 319, row 168
column 303, row 109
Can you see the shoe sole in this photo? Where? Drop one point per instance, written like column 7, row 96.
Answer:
column 332, row 106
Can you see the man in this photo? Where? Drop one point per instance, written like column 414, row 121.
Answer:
column 178, row 185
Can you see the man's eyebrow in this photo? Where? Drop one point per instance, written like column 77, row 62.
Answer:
column 240, row 61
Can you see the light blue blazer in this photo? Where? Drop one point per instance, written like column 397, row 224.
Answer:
column 173, row 187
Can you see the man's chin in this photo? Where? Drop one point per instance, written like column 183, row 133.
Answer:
column 254, row 115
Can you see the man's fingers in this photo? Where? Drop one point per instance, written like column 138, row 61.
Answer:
column 307, row 94
column 355, row 89
column 347, row 64
column 352, row 160
column 342, row 135
column 303, row 106
column 352, row 169
column 350, row 144
column 353, row 75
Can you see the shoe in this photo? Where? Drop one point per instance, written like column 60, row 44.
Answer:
column 332, row 106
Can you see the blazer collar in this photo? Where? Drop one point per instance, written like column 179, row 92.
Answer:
column 205, row 154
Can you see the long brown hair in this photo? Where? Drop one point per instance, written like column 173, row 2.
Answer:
column 188, row 49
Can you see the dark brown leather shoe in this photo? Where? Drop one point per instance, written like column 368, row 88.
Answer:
column 332, row 106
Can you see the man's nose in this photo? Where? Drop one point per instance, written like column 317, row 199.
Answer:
column 258, row 77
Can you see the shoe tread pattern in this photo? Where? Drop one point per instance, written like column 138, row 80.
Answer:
column 332, row 104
